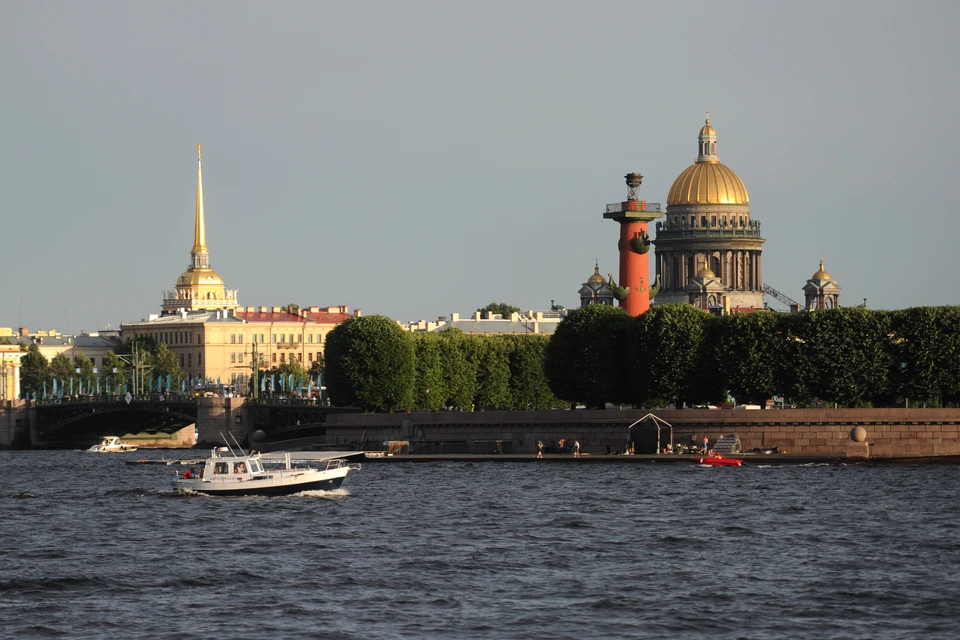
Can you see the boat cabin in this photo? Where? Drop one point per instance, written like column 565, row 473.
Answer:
column 218, row 468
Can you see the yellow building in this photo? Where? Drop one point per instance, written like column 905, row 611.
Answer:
column 214, row 338
column 10, row 356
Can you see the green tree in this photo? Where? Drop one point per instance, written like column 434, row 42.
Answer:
column 528, row 381
column 744, row 349
column 459, row 371
column 841, row 356
column 34, row 372
column 112, row 361
column 502, row 308
column 493, row 372
column 430, row 388
column 316, row 367
column 82, row 362
column 164, row 362
column 666, row 348
column 370, row 364
column 585, row 358
column 62, row 368
column 926, row 362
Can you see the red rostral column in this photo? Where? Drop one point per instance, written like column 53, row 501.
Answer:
column 633, row 216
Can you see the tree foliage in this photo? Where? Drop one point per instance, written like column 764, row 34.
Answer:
column 112, row 361
column 501, row 308
column 528, row 381
column 459, row 371
column 61, row 367
column 744, row 351
column 431, row 386
column 841, row 356
column 34, row 372
column 926, row 346
column 370, row 364
column 86, row 376
column 665, row 350
column 585, row 359
column 492, row 357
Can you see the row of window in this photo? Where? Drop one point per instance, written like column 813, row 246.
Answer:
column 237, row 357
column 189, row 337
column 277, row 338
column 189, row 362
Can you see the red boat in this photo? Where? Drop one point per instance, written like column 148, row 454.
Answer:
column 717, row 460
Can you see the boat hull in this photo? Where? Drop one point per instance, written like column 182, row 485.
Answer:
column 270, row 491
column 714, row 461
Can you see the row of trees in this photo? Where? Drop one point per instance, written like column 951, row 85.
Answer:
column 672, row 354
column 852, row 357
column 37, row 373
column 372, row 363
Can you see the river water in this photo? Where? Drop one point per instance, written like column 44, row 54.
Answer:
column 95, row 548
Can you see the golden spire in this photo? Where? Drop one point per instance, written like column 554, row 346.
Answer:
column 199, row 231
column 708, row 116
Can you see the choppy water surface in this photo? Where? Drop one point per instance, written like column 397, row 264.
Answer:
column 94, row 548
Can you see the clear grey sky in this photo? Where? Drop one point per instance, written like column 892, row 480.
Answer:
column 415, row 159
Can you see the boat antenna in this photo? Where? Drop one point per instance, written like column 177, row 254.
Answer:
column 227, row 442
column 237, row 443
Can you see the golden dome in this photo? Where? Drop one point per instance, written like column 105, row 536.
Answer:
column 706, row 272
column 707, row 130
column 821, row 274
column 596, row 278
column 199, row 277
column 708, row 183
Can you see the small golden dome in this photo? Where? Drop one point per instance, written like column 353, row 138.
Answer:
column 708, row 183
column 821, row 274
column 706, row 272
column 596, row 278
column 707, row 130
column 199, row 277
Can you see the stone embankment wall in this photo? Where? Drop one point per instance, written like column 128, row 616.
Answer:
column 885, row 433
column 14, row 424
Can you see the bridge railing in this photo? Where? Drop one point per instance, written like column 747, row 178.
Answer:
column 91, row 399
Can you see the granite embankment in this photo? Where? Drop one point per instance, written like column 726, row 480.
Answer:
column 833, row 433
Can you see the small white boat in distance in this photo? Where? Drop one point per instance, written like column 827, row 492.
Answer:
column 227, row 473
column 112, row 444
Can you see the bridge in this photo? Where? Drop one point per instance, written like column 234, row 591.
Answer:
column 290, row 418
column 79, row 421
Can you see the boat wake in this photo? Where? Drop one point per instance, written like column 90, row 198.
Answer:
column 333, row 494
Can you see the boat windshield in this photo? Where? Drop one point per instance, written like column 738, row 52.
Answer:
column 255, row 466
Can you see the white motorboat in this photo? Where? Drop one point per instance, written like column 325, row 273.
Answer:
column 228, row 473
column 112, row 444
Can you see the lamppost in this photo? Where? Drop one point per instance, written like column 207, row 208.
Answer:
column 116, row 391
column 79, row 383
column 97, row 378
column 427, row 391
column 536, row 397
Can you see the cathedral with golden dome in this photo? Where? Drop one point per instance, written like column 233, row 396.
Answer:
column 708, row 249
